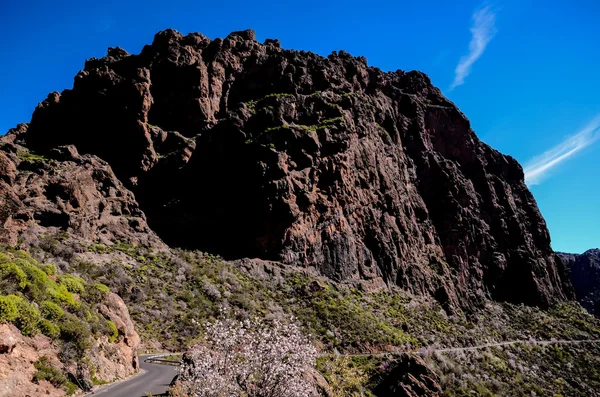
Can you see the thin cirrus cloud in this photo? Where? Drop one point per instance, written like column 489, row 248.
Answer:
column 482, row 32
column 539, row 167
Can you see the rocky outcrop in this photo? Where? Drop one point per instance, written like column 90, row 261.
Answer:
column 17, row 356
column 105, row 361
column 584, row 272
column 245, row 149
column 114, row 359
column 66, row 191
column 118, row 359
column 8, row 340
column 408, row 376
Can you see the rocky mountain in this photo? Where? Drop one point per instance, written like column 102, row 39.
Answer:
column 584, row 271
column 244, row 149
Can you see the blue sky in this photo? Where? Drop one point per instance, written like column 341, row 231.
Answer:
column 525, row 75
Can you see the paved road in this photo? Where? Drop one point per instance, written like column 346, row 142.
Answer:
column 155, row 379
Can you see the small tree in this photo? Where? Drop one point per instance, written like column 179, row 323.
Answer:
column 251, row 358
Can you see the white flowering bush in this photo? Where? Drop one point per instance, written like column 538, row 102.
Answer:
column 249, row 359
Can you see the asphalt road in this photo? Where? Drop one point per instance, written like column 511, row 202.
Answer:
column 155, row 379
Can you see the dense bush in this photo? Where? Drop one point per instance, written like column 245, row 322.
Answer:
column 345, row 378
column 12, row 276
column 114, row 332
column 51, row 310
column 46, row 371
column 167, row 292
column 28, row 318
column 16, row 310
column 49, row 329
column 61, row 307
column 520, row 370
column 9, row 309
column 72, row 284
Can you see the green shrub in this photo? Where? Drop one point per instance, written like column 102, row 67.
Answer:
column 49, row 329
column 114, row 332
column 95, row 293
column 9, row 271
column 77, row 332
column 9, row 309
column 27, row 319
column 70, row 388
column 97, row 248
column 63, row 316
column 60, row 294
column 344, row 377
column 30, row 157
column 72, row 283
column 51, row 310
column 20, row 254
column 46, row 371
column 35, row 275
column 102, row 288
column 49, row 268
column 98, row 325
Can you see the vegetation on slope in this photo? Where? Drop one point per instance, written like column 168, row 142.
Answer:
column 37, row 299
column 525, row 369
column 172, row 294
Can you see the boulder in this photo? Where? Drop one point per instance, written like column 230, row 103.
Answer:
column 8, row 339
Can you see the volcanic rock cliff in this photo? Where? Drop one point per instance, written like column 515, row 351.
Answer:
column 245, row 149
column 584, row 272
column 65, row 191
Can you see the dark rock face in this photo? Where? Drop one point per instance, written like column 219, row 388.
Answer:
column 248, row 150
column 409, row 376
column 66, row 191
column 584, row 271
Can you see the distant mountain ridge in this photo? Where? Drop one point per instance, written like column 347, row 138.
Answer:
column 584, row 272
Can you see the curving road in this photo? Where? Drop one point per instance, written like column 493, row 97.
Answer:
column 154, row 379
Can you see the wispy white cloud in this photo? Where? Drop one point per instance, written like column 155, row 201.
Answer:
column 537, row 169
column 482, row 32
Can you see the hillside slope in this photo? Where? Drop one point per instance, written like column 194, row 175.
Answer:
column 59, row 332
column 244, row 149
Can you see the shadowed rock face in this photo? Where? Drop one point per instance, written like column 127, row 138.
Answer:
column 408, row 376
column 247, row 150
column 584, row 272
column 69, row 192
